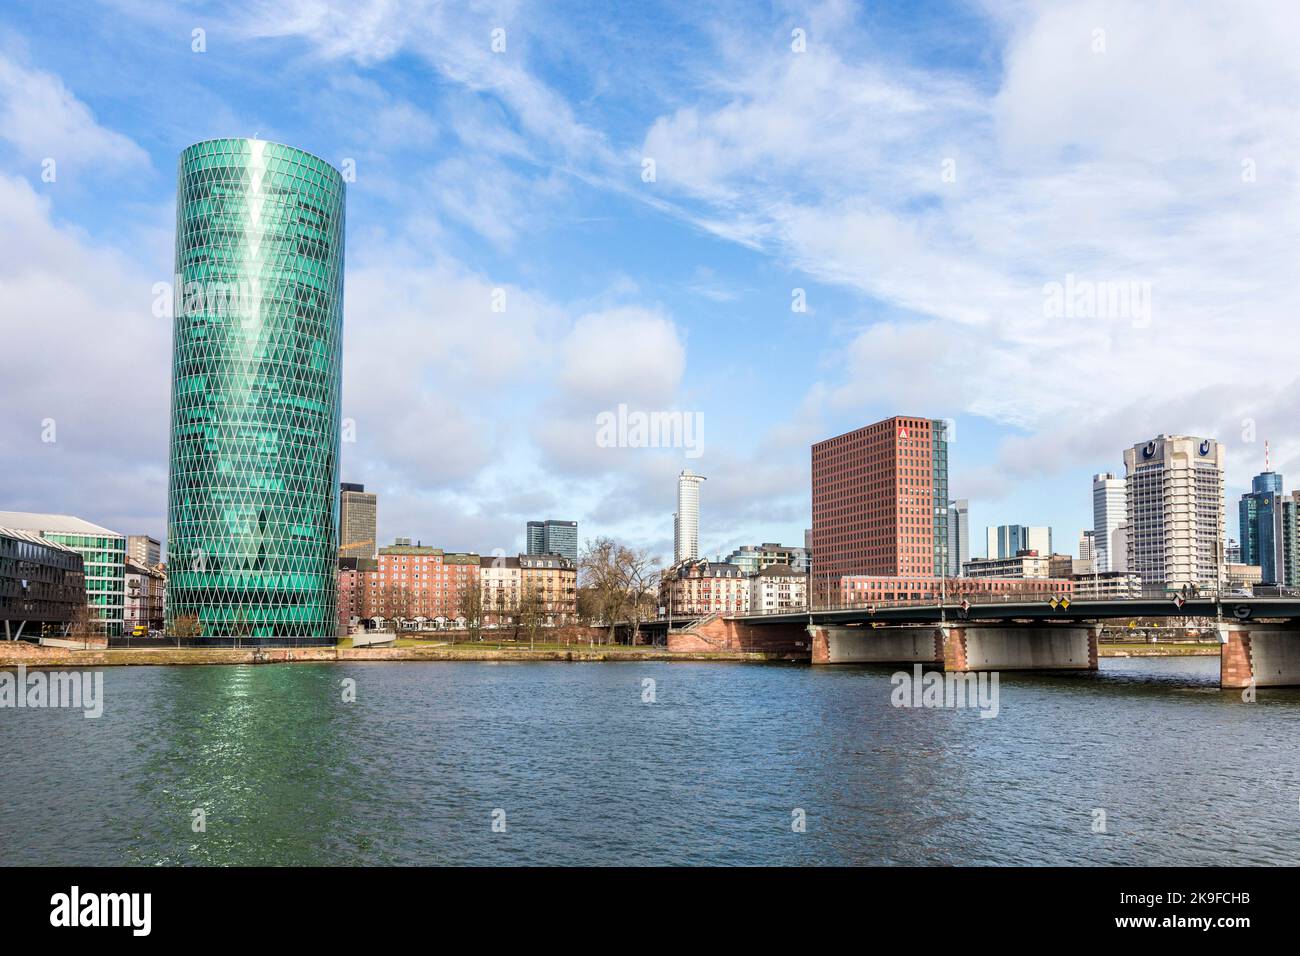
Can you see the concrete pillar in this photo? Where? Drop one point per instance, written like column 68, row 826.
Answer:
column 876, row 645
column 1010, row 647
column 1259, row 654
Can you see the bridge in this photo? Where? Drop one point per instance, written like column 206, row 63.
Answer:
column 1259, row 637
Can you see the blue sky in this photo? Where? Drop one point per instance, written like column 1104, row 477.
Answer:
column 922, row 171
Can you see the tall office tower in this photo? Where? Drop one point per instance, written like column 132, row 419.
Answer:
column 358, row 521
column 880, row 501
column 1087, row 546
column 1261, row 518
column 686, row 522
column 552, row 537
column 253, row 494
column 143, row 549
column 535, row 537
column 958, row 536
column 1175, row 511
column 1008, row 540
column 1109, row 510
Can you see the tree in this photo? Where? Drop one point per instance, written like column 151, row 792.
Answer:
column 617, row 580
column 470, row 607
column 532, row 611
column 187, row 625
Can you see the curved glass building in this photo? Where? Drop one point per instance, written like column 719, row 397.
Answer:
column 253, row 493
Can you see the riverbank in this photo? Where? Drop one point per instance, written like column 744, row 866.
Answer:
column 31, row 655
column 14, row 653
column 1158, row 650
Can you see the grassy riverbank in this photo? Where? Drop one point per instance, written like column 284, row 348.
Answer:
column 33, row 656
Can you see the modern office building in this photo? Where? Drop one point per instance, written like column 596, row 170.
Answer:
column 358, row 516
column 686, row 522
column 958, row 536
column 1008, row 540
column 552, row 537
column 1175, row 511
column 253, row 495
column 880, row 502
column 42, row 586
column 144, row 550
column 1109, row 511
column 103, row 556
column 751, row 559
column 1263, row 528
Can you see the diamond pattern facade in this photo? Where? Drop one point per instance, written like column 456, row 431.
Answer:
column 253, row 492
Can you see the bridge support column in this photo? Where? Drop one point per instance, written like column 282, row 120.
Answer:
column 1259, row 655
column 1011, row 647
column 876, row 645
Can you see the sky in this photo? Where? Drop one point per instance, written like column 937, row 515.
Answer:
column 782, row 220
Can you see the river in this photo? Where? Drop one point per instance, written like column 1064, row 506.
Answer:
column 551, row 763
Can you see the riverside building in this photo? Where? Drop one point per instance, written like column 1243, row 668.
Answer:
column 253, row 489
column 1174, row 487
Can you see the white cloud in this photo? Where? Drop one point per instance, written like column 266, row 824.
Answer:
column 44, row 120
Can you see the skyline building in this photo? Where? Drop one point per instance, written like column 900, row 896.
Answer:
column 552, row 537
column 1109, row 511
column 958, row 536
column 880, row 501
column 358, row 521
column 686, row 521
column 1008, row 540
column 1175, row 529
column 143, row 549
column 1261, row 525
column 1088, row 546
column 253, row 491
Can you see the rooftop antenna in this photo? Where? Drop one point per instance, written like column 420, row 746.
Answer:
column 1266, row 467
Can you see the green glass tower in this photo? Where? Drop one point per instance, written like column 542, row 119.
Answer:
column 253, row 492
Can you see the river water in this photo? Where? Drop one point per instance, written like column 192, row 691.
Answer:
column 574, row 765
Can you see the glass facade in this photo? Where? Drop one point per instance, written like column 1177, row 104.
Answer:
column 104, row 563
column 253, row 494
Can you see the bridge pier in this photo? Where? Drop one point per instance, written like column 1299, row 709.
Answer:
column 1259, row 654
column 876, row 645
column 961, row 647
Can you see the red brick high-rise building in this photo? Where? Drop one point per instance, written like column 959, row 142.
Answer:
column 880, row 502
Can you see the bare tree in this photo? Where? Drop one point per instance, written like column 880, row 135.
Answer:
column 617, row 579
column 470, row 607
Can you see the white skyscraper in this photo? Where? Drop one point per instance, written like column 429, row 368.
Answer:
column 958, row 536
column 686, row 523
column 1109, row 509
column 1175, row 511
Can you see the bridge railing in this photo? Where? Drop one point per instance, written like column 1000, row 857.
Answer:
column 1046, row 596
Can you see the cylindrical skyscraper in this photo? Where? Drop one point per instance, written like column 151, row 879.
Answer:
column 253, row 494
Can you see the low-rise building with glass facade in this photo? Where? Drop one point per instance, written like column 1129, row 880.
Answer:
column 103, row 556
